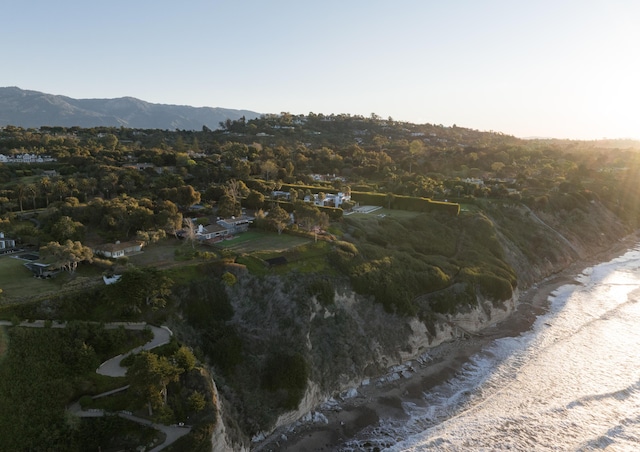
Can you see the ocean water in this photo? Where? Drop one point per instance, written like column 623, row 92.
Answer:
column 571, row 383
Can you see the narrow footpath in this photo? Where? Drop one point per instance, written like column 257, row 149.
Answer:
column 111, row 367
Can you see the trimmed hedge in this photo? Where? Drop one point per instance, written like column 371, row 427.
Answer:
column 312, row 188
column 334, row 213
column 402, row 202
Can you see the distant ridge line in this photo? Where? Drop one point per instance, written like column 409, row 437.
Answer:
column 34, row 109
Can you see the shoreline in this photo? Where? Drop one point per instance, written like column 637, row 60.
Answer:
column 383, row 400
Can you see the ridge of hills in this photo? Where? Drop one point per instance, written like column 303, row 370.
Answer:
column 27, row 108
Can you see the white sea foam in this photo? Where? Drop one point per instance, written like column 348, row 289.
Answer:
column 571, row 383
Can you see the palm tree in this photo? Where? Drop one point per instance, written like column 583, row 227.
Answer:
column 20, row 192
column 45, row 188
column 32, row 191
column 60, row 189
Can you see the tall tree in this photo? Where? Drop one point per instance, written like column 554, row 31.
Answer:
column 237, row 189
column 31, row 190
column 268, row 167
column 45, row 189
column 278, row 219
column 149, row 376
column 20, row 192
column 67, row 229
column 187, row 196
column 60, row 189
column 309, row 217
column 227, row 207
column 66, row 256
column 189, row 231
column 416, row 150
column 142, row 287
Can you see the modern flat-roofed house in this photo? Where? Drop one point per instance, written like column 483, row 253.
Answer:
column 118, row 249
column 6, row 243
column 40, row 270
column 329, row 199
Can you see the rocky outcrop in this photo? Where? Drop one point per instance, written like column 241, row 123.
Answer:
column 220, row 441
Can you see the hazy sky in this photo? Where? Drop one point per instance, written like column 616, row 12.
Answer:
column 527, row 68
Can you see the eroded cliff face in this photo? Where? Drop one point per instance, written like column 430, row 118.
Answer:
column 353, row 339
column 220, row 440
column 416, row 341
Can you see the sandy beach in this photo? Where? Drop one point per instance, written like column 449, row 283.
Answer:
column 382, row 400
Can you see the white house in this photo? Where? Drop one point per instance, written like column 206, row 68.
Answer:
column 118, row 249
column 236, row 224
column 474, row 181
column 224, row 228
column 6, row 243
column 211, row 232
column 329, row 198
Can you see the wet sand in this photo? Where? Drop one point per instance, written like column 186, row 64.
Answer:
column 382, row 400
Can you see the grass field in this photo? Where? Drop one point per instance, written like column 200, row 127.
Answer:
column 306, row 258
column 397, row 214
column 158, row 254
column 253, row 241
column 18, row 281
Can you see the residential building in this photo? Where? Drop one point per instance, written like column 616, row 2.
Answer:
column 223, row 228
column 6, row 243
column 330, row 199
column 236, row 225
column 118, row 249
column 212, row 232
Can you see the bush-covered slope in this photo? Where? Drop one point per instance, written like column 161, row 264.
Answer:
column 287, row 341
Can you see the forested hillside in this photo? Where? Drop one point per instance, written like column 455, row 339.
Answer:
column 26, row 108
column 366, row 238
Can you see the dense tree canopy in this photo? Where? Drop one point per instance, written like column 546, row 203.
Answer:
column 66, row 256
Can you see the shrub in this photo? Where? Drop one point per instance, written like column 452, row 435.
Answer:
column 128, row 360
column 287, row 376
column 85, row 402
column 323, row 290
column 347, row 247
column 229, row 279
column 196, row 402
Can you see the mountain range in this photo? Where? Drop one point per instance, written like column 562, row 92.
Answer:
column 26, row 108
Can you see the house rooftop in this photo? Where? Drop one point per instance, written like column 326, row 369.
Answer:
column 118, row 246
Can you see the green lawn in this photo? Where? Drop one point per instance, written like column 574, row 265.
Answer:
column 252, row 241
column 158, row 254
column 397, row 214
column 18, row 282
column 309, row 257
